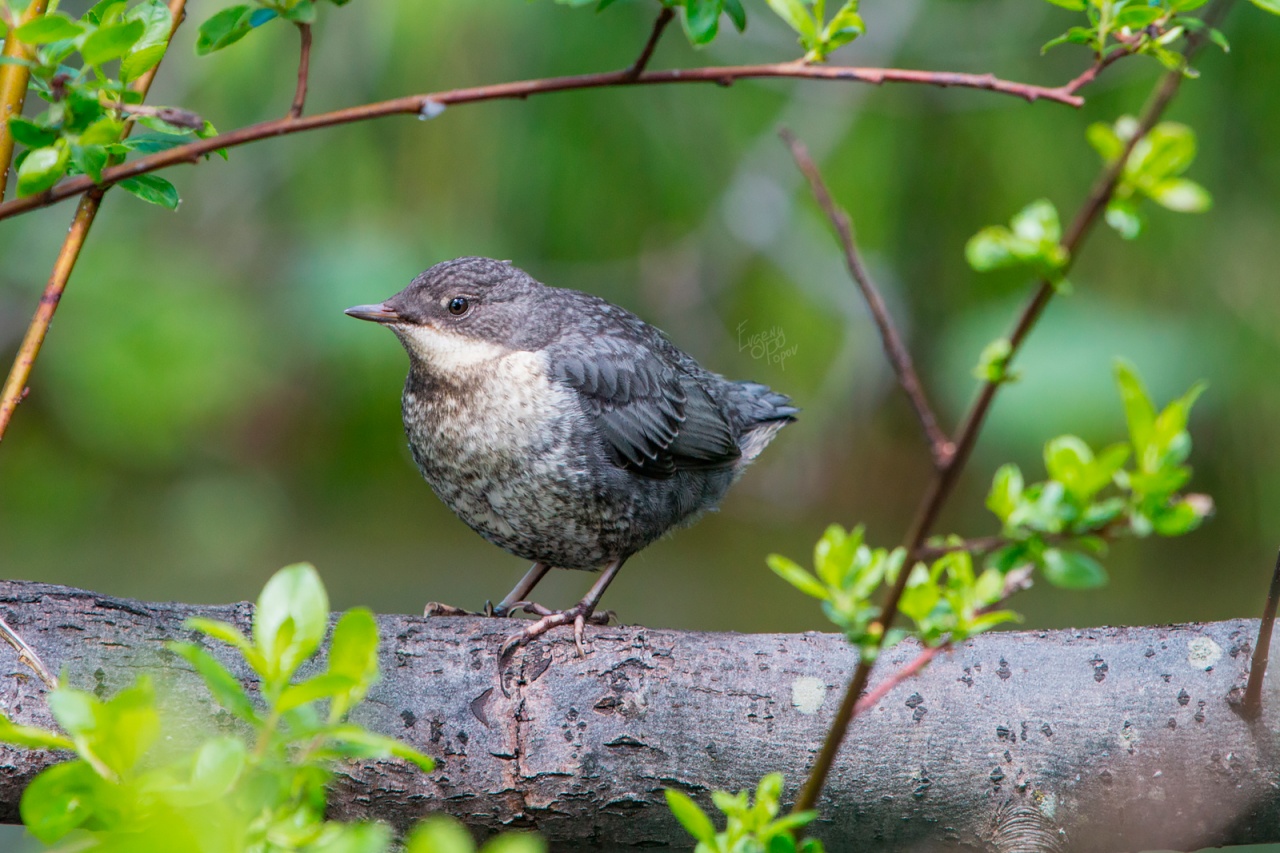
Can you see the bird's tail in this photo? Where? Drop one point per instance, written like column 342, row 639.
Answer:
column 763, row 412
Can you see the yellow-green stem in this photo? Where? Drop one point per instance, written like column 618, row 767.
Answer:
column 13, row 88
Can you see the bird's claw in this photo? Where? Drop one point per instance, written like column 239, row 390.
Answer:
column 578, row 615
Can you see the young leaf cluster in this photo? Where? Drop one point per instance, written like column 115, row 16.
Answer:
column 1033, row 239
column 443, row 834
column 1149, row 27
column 1129, row 488
column 945, row 600
column 750, row 826
column 1152, row 170
column 83, row 68
column 232, row 794
column 233, row 23
column 817, row 35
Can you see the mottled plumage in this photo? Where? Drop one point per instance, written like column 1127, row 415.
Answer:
column 559, row 426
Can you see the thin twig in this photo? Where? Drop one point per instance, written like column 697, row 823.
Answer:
column 15, row 386
column 1089, row 74
column 429, row 104
column 944, row 479
column 1261, row 649
column 642, row 61
column 304, row 68
column 940, row 446
column 14, row 78
column 27, row 655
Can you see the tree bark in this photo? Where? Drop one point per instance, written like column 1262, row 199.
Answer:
column 1099, row 739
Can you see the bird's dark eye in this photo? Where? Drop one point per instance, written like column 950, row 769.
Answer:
column 458, row 305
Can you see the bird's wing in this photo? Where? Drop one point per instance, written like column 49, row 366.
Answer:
column 654, row 417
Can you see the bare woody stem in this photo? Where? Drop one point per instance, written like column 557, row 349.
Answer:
column 940, row 446
column 20, row 372
column 13, row 87
column 1261, row 649
column 304, row 69
column 642, row 61
column 425, row 104
column 943, row 481
column 27, row 655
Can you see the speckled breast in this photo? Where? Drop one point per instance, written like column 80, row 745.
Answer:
column 509, row 452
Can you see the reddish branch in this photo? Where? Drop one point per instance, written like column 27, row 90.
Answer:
column 425, row 104
column 642, row 61
column 1262, row 649
column 944, row 479
column 940, row 446
column 304, row 67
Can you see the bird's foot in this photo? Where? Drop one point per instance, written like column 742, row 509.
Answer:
column 578, row 615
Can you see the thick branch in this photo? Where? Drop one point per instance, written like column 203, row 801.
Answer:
column 14, row 78
column 430, row 103
column 1119, row 738
column 940, row 447
column 304, row 69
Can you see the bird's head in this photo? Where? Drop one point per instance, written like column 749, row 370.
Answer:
column 463, row 313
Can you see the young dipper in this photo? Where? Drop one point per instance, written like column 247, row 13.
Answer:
column 560, row 427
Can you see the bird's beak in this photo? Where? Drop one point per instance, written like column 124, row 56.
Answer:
column 378, row 313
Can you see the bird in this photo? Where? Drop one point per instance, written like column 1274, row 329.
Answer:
column 561, row 427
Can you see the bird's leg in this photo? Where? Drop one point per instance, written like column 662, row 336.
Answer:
column 578, row 615
column 521, row 590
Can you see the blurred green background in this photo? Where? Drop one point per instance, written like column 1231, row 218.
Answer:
column 204, row 413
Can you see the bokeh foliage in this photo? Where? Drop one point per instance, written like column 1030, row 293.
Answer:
column 203, row 412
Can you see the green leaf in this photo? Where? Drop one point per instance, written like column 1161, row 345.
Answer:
column 353, row 654
column 1177, row 520
column 993, row 362
column 43, row 167
column 218, row 765
column 229, row 634
column 31, row 737
column 796, row 16
column 1105, row 141
column 1139, row 412
column 362, row 743
column 1272, row 6
column 1037, row 222
column 1182, row 195
column 843, row 28
column 224, row 686
column 48, row 28
column 90, row 160
column 733, row 8
column 74, row 710
column 224, row 28
column 110, row 42
column 1073, row 5
column 515, row 842
column 291, row 618
column 1072, row 570
column 701, row 19
column 104, row 10
column 30, row 134
column 790, row 572
column 60, row 799
column 157, row 22
column 439, row 834
column 141, row 61
column 1124, row 217
column 352, row 838
column 325, row 686
column 691, row 817
column 104, row 131
column 153, row 189
column 1006, row 491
